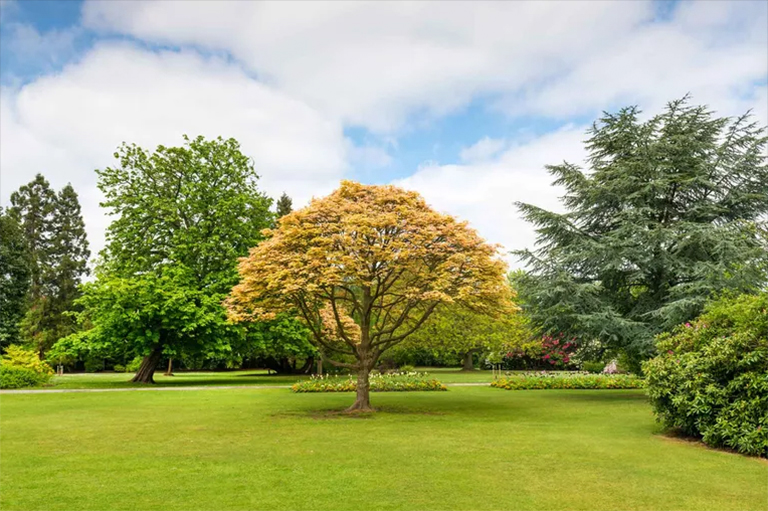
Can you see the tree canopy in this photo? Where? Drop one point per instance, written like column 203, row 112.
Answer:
column 365, row 267
column 183, row 215
column 455, row 329
column 666, row 215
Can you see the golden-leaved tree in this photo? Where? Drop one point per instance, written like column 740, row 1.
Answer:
column 365, row 267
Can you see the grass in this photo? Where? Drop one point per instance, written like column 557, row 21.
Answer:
column 237, row 378
column 468, row 448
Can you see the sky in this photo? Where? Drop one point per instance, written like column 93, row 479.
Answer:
column 465, row 102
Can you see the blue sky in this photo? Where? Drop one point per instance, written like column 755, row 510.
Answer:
column 464, row 102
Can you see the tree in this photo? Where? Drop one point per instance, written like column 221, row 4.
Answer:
column 48, row 318
column 284, row 205
column 183, row 217
column 14, row 278
column 69, row 249
column 33, row 206
column 454, row 329
column 365, row 267
column 667, row 215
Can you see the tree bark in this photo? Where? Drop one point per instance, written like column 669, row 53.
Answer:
column 169, row 372
column 146, row 371
column 363, row 400
column 469, row 365
column 320, row 365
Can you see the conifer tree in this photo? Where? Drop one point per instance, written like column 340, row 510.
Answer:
column 668, row 214
column 33, row 206
column 14, row 278
column 284, row 205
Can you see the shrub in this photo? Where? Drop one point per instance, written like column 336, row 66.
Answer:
column 390, row 382
column 133, row 365
column 710, row 378
column 573, row 381
column 17, row 356
column 118, row 368
column 16, row 377
column 593, row 367
column 407, row 368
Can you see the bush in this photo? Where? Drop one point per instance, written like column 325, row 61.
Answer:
column 133, row 365
column 391, row 382
column 118, row 368
column 16, row 377
column 17, row 356
column 407, row 369
column 573, row 381
column 93, row 364
column 593, row 367
column 710, row 379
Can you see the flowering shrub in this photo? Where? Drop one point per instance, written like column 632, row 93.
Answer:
column 389, row 382
column 550, row 352
column 570, row 380
column 710, row 378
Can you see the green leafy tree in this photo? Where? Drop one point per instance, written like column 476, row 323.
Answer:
column 666, row 215
column 457, row 330
column 284, row 205
column 14, row 278
column 183, row 217
column 33, row 206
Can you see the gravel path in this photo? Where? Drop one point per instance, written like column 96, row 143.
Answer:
column 198, row 387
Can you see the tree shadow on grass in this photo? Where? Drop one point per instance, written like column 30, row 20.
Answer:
column 335, row 413
column 603, row 395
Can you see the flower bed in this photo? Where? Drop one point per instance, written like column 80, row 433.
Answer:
column 575, row 380
column 392, row 382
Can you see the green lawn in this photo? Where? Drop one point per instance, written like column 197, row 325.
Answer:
column 468, row 448
column 253, row 377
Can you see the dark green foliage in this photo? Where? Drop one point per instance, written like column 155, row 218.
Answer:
column 58, row 250
column 14, row 377
column 667, row 214
column 593, row 367
column 183, row 216
column 710, row 378
column 33, row 206
column 284, row 205
column 14, row 278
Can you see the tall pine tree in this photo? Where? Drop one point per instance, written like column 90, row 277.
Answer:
column 54, row 230
column 14, row 278
column 33, row 206
column 667, row 215
column 69, row 249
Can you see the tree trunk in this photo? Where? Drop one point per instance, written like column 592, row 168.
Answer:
column 169, row 372
column 363, row 399
column 469, row 365
column 320, row 366
column 146, row 371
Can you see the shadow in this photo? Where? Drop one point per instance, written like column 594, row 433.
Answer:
column 335, row 413
column 677, row 436
column 602, row 395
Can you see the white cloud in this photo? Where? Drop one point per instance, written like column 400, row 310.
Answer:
column 377, row 64
column 481, row 150
column 484, row 192
column 68, row 124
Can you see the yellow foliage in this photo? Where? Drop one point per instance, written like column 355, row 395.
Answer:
column 367, row 265
column 18, row 356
